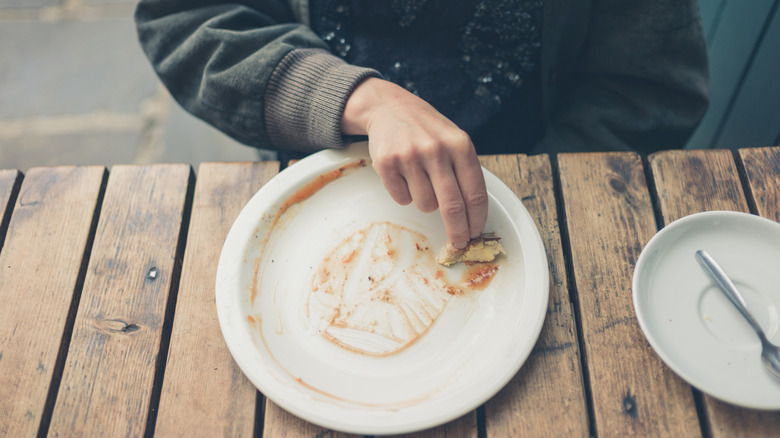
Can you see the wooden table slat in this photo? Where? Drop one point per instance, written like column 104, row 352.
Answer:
column 203, row 388
column 689, row 182
column 462, row 427
column 112, row 328
column 547, row 396
column 762, row 170
column 715, row 178
column 609, row 219
column 109, row 375
column 40, row 265
column 713, row 184
column 280, row 423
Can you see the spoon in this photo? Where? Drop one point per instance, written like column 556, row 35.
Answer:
column 770, row 353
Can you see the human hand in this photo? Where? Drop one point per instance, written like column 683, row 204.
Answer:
column 420, row 155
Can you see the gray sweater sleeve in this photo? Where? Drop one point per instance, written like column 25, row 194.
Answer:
column 306, row 97
column 249, row 69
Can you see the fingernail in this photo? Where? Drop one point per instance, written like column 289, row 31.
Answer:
column 460, row 245
column 474, row 236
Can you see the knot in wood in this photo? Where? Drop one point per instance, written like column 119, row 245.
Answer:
column 118, row 326
column 629, row 405
column 618, row 185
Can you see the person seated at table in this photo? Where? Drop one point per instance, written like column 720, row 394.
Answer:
column 433, row 83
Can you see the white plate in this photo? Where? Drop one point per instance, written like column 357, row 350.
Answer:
column 472, row 348
column 691, row 324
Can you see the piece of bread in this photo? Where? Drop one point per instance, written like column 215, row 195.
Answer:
column 484, row 248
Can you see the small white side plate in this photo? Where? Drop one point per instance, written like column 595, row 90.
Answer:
column 691, row 324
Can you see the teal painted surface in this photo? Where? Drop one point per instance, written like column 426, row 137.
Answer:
column 754, row 118
column 711, row 13
column 736, row 31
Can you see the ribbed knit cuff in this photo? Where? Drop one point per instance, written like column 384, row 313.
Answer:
column 305, row 99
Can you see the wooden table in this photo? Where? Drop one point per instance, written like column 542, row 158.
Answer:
column 108, row 325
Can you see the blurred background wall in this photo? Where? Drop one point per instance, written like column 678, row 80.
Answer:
column 743, row 39
column 75, row 88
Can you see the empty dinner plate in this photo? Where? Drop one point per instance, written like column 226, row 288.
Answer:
column 691, row 324
column 331, row 302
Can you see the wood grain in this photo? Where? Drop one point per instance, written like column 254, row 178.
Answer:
column 728, row 421
column 762, row 171
column 609, row 218
column 282, row 424
column 110, row 370
column 40, row 266
column 222, row 402
column 546, row 398
column 714, row 177
column 688, row 182
column 462, row 427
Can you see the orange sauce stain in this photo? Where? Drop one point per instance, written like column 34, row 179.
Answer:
column 349, row 257
column 301, row 195
column 392, row 406
column 479, row 275
column 314, row 186
column 420, row 248
column 475, row 278
column 253, row 289
column 343, row 296
column 257, row 323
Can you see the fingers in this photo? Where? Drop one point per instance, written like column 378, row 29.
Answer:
column 446, row 177
column 421, row 156
column 406, row 180
column 471, row 180
column 462, row 195
column 395, row 184
column 452, row 206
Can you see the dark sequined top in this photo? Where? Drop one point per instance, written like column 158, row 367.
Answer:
column 476, row 61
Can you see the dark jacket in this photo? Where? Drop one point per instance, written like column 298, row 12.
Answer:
column 616, row 74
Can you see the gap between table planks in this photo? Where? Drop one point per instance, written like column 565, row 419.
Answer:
column 204, row 392
column 41, row 268
column 118, row 342
column 50, row 260
column 609, row 219
column 547, row 396
column 712, row 181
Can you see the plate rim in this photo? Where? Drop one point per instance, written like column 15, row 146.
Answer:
column 643, row 319
column 313, row 166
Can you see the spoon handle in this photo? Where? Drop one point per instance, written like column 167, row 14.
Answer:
column 727, row 286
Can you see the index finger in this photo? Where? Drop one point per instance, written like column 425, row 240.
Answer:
column 471, row 181
column 452, row 206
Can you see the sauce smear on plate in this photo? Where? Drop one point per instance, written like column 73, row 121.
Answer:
column 377, row 291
